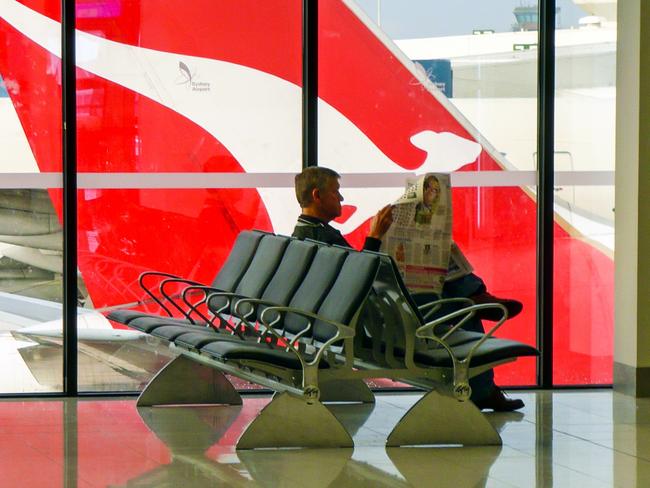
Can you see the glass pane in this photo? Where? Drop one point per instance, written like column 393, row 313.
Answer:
column 456, row 72
column 202, row 86
column 584, row 282
column 497, row 233
column 187, row 233
column 30, row 215
column 31, row 72
column 180, row 87
column 585, row 108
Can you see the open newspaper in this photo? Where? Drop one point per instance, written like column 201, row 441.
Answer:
column 420, row 237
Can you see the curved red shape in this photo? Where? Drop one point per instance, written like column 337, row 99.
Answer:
column 359, row 76
column 124, row 232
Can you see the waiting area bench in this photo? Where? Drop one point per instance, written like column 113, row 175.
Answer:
column 312, row 321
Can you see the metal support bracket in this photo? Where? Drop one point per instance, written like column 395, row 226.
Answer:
column 186, row 382
column 438, row 419
column 340, row 390
column 290, row 421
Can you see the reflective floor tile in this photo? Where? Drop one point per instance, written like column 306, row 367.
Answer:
column 560, row 439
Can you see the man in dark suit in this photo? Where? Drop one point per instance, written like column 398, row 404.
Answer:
column 317, row 191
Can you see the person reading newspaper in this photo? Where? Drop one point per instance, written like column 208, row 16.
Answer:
column 317, row 192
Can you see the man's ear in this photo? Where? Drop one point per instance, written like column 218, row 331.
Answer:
column 315, row 195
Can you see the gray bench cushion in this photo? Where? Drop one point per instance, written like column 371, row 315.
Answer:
column 171, row 332
column 490, row 351
column 347, row 293
column 260, row 271
column 238, row 260
column 238, row 350
column 149, row 324
column 197, row 339
column 312, row 291
column 289, row 275
column 125, row 316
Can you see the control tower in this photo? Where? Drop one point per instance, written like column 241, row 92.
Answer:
column 527, row 17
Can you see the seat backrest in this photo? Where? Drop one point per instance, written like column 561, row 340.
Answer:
column 265, row 260
column 402, row 287
column 390, row 317
column 287, row 277
column 238, row 260
column 347, row 294
column 317, row 282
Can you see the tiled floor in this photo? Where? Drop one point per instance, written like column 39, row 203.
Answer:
column 573, row 439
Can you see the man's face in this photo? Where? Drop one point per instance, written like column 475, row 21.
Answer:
column 329, row 203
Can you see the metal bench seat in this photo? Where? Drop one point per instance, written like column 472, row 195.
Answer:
column 395, row 340
column 491, row 351
column 149, row 324
column 275, row 275
column 302, row 281
column 125, row 316
column 237, row 350
column 192, row 340
column 172, row 332
column 324, row 289
column 456, row 338
column 314, row 321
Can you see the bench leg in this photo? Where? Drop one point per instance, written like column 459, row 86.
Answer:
column 289, row 421
column 438, row 418
column 346, row 391
column 186, row 382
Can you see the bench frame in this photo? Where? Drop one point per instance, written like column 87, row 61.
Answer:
column 296, row 415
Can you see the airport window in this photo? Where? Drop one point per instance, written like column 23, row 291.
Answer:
column 440, row 79
column 585, row 113
column 194, row 99
column 190, row 128
column 31, row 246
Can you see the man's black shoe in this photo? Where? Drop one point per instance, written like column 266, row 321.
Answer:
column 514, row 307
column 499, row 402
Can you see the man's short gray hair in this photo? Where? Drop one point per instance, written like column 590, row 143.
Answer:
column 311, row 178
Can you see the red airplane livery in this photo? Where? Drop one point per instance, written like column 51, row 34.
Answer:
column 211, row 87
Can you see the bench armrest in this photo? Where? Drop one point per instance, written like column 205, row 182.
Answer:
column 208, row 291
column 429, row 308
column 245, row 317
column 342, row 331
column 171, row 298
column 309, row 368
column 229, row 295
column 251, row 301
column 153, row 298
column 159, row 274
column 141, row 282
column 461, row 367
column 427, row 331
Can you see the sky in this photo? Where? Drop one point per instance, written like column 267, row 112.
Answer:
column 406, row 19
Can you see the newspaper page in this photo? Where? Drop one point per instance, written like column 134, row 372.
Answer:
column 459, row 266
column 420, row 237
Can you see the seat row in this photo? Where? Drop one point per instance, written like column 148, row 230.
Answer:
column 312, row 321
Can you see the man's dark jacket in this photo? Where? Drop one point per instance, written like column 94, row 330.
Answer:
column 309, row 227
